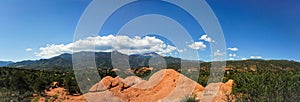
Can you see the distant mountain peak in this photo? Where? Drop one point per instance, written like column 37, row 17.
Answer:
column 5, row 63
column 116, row 52
column 150, row 54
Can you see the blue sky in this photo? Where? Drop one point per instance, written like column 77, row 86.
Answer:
column 266, row 28
column 269, row 28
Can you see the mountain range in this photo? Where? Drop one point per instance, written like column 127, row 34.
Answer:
column 102, row 59
column 5, row 63
column 115, row 59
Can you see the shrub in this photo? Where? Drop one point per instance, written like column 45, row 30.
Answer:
column 55, row 96
column 189, row 98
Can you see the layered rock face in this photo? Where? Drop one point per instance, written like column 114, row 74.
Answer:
column 165, row 86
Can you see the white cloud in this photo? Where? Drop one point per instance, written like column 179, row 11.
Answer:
column 124, row 44
column 197, row 45
column 232, row 55
column 255, row 57
column 244, row 59
column 180, row 51
column 233, row 49
column 206, row 38
column 219, row 53
column 28, row 49
column 231, row 58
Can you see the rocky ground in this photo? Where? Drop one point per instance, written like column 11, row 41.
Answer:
column 59, row 94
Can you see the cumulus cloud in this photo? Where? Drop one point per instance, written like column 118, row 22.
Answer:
column 233, row 49
column 124, row 44
column 197, row 45
column 28, row 49
column 255, row 57
column 180, row 50
column 232, row 55
column 219, row 53
column 206, row 38
column 231, row 58
column 244, row 59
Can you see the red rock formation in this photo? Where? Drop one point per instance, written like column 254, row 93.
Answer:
column 165, row 85
column 218, row 92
